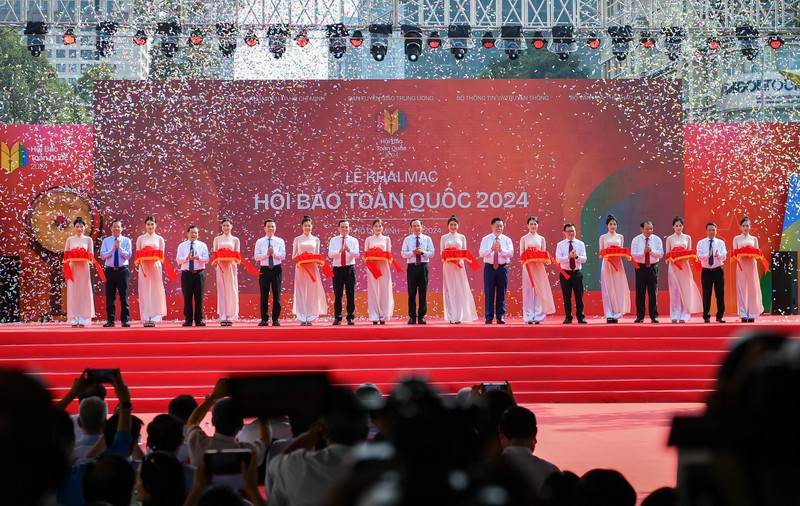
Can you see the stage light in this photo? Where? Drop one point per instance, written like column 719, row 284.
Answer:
column 458, row 35
column 775, row 41
column 647, row 40
column 593, row 41
column 69, row 37
column 511, row 40
column 250, row 38
column 487, row 40
column 538, row 41
column 140, row 37
column 713, row 43
column 564, row 41
column 170, row 37
column 276, row 38
column 621, row 36
column 226, row 33
column 379, row 40
column 748, row 39
column 337, row 39
column 35, row 30
column 673, row 37
column 302, row 37
column 357, row 39
column 434, row 40
column 412, row 41
column 104, row 43
column 196, row 37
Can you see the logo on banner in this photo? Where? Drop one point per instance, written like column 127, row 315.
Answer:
column 13, row 157
column 391, row 122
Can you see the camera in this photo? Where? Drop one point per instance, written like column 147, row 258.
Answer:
column 485, row 387
column 100, row 375
column 227, row 461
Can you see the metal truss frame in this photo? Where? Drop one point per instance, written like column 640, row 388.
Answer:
column 695, row 16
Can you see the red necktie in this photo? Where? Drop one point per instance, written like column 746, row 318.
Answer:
column 571, row 260
column 344, row 253
column 646, row 255
column 496, row 261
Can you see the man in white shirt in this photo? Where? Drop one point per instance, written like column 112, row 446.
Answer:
column 269, row 253
column 417, row 250
column 343, row 251
column 571, row 255
column 496, row 250
column 712, row 253
column 518, row 430
column 192, row 257
column 646, row 250
column 116, row 251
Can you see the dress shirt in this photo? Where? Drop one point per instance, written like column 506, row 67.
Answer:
column 562, row 254
column 702, row 253
column 335, row 250
column 656, row 248
column 409, row 245
column 278, row 250
column 107, row 250
column 305, row 478
column 200, row 250
column 505, row 253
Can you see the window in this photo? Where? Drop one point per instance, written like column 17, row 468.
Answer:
column 73, row 53
column 73, row 68
column 61, row 53
column 87, row 54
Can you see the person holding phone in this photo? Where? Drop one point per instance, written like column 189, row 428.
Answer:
column 116, row 252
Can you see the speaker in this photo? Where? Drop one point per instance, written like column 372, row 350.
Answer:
column 784, row 282
column 9, row 289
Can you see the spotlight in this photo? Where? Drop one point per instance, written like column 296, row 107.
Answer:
column 434, row 40
column 250, row 38
column 412, row 40
column 488, row 40
column 621, row 36
column 673, row 37
column 511, row 40
column 775, row 41
column 69, row 37
column 538, row 41
column 276, row 37
column 226, row 33
column 170, row 37
column 337, row 35
column 357, row 39
column 647, row 40
column 564, row 41
column 713, row 43
column 301, row 38
column 748, row 39
column 104, row 43
column 140, row 37
column 196, row 37
column 35, row 30
column 459, row 40
column 593, row 41
column 379, row 40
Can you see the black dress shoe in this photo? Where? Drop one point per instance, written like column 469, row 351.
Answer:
column 654, row 320
column 421, row 321
column 263, row 323
column 108, row 324
column 567, row 321
column 276, row 323
column 185, row 324
column 375, row 322
column 751, row 320
column 744, row 320
column 581, row 320
column 537, row 323
column 721, row 320
column 488, row 322
column 337, row 322
column 199, row 324
column 412, row 321
column 501, row 321
column 351, row 322
column 707, row 319
column 382, row 322
column 638, row 320
column 126, row 324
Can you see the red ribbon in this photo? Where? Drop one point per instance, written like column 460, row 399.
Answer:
column 456, row 255
column 151, row 253
column 373, row 255
column 680, row 253
column 304, row 259
column 749, row 251
column 80, row 255
column 616, row 251
column 229, row 255
column 535, row 256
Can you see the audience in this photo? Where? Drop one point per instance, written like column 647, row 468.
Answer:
column 165, row 434
column 604, row 487
column 160, row 481
column 518, row 432
column 92, row 416
column 108, row 479
column 182, row 407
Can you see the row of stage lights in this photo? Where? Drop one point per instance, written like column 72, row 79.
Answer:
column 512, row 40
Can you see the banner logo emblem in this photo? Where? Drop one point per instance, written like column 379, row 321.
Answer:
column 391, row 122
column 13, row 157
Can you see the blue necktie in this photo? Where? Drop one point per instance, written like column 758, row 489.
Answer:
column 191, row 254
column 710, row 252
column 116, row 256
column 269, row 245
column 418, row 258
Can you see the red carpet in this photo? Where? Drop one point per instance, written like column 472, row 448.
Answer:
column 545, row 363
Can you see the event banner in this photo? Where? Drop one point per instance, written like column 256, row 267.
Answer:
column 193, row 152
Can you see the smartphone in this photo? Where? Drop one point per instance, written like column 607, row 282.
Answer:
column 485, row 387
column 228, row 461
column 100, row 375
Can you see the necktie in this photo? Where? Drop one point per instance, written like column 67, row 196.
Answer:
column 269, row 245
column 116, row 257
column 710, row 252
column 646, row 255
column 418, row 259
column 191, row 255
column 496, row 260
column 344, row 253
column 571, row 260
